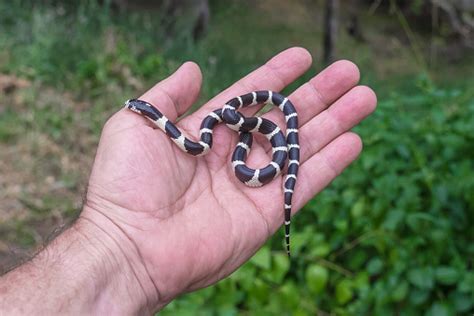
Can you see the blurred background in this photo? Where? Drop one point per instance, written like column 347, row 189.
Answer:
column 391, row 236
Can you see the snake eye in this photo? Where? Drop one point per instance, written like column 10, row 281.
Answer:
column 131, row 107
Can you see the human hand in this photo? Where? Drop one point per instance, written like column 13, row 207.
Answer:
column 189, row 220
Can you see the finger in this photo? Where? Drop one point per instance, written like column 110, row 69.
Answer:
column 276, row 74
column 343, row 115
column 320, row 92
column 171, row 96
column 174, row 95
column 323, row 167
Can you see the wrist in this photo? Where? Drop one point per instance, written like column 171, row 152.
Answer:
column 129, row 286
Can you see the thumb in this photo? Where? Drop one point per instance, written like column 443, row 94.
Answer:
column 172, row 96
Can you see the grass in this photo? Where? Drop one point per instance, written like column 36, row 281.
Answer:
column 390, row 235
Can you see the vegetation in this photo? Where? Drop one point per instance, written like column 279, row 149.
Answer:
column 392, row 235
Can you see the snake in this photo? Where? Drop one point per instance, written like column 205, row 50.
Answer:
column 284, row 147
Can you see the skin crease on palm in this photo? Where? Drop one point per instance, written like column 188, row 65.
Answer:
column 189, row 219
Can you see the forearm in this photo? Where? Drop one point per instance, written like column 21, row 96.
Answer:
column 83, row 271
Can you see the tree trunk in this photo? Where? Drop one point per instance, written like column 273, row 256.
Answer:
column 330, row 30
column 195, row 12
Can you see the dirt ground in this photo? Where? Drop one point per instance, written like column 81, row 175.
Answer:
column 42, row 177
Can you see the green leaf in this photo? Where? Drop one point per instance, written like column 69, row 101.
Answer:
column 422, row 277
column 393, row 219
column 344, row 292
column 260, row 291
column 300, row 240
column 461, row 302
column 361, row 280
column 321, row 250
column 400, row 292
column 290, row 295
column 316, row 278
column 419, row 221
column 227, row 310
column 301, row 312
column 281, row 264
column 440, row 309
column 466, row 284
column 341, row 224
column 262, row 258
column 227, row 293
column 358, row 208
column 374, row 266
column 418, row 297
column 447, row 275
column 245, row 275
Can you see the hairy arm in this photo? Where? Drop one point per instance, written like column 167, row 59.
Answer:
column 86, row 270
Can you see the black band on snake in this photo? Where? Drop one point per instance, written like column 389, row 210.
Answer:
column 282, row 147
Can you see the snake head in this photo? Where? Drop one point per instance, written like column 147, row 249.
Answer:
column 129, row 105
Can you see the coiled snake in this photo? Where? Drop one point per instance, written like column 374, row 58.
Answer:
column 282, row 147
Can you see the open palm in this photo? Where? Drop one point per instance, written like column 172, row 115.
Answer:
column 191, row 220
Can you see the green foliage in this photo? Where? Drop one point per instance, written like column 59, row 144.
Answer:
column 80, row 47
column 316, row 278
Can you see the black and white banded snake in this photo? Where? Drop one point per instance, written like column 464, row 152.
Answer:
column 282, row 147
